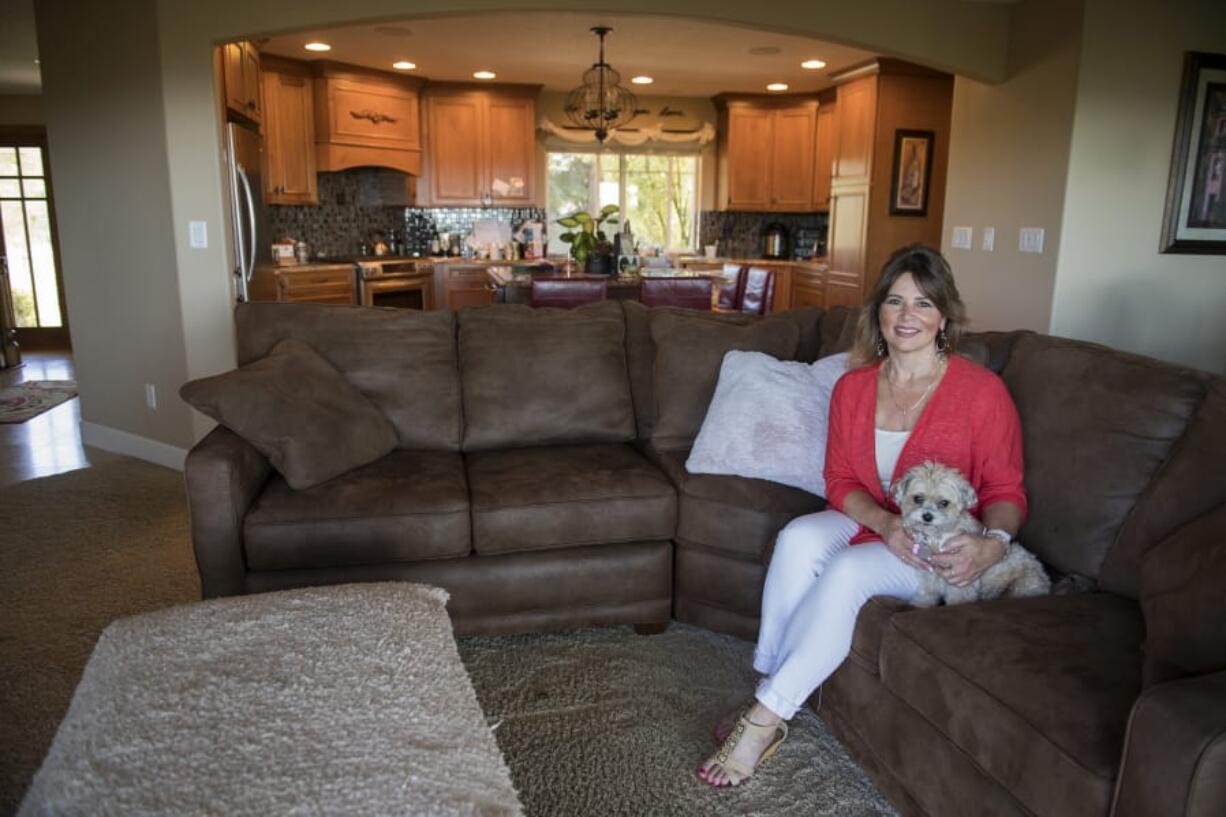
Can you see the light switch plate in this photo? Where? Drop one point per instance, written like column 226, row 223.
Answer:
column 198, row 234
column 962, row 238
column 1030, row 239
column 989, row 239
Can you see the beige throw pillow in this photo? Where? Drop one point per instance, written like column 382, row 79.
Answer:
column 298, row 411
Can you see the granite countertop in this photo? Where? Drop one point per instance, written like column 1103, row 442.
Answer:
column 503, row 275
column 313, row 266
column 820, row 261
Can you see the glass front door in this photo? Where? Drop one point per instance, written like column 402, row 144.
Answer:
column 28, row 242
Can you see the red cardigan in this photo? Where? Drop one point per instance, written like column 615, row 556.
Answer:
column 970, row 424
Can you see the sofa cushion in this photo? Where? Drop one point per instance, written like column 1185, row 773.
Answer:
column 544, row 377
column 690, row 349
column 1037, row 691
column 1097, row 424
column 402, row 360
column 839, row 329
column 734, row 515
column 1181, row 491
column 298, row 411
column 1182, row 582
column 408, row 506
column 563, row 496
column 871, row 623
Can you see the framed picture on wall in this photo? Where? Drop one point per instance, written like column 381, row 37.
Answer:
column 912, row 172
column 1195, row 220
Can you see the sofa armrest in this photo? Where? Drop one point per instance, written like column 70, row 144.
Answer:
column 224, row 474
column 1175, row 751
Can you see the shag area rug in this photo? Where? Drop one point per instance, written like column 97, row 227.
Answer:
column 324, row 700
column 608, row 722
column 591, row 722
column 29, row 399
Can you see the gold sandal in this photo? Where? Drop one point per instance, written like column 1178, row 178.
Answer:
column 743, row 725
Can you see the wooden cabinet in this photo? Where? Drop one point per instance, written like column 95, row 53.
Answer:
column 823, row 164
column 366, row 118
column 481, row 146
column 767, row 150
column 241, row 72
column 313, row 283
column 457, row 285
column 289, row 134
column 808, row 287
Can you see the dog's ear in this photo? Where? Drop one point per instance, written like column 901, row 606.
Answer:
column 899, row 490
column 969, row 498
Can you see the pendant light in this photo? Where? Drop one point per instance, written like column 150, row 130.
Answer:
column 601, row 103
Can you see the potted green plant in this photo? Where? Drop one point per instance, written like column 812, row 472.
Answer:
column 588, row 243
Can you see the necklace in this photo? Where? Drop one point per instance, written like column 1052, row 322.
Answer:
column 894, row 399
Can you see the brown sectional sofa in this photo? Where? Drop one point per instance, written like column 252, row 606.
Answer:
column 540, row 479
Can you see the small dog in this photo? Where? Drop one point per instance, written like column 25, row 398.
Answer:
column 935, row 502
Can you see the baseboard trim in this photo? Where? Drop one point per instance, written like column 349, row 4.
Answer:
column 132, row 445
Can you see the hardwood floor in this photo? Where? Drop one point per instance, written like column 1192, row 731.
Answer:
column 51, row 442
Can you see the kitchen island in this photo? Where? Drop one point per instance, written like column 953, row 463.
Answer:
column 512, row 283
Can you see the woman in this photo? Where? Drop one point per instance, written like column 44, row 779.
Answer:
column 907, row 398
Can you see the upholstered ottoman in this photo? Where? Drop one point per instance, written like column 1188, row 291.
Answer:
column 327, row 700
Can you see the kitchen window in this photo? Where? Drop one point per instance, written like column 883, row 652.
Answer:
column 657, row 192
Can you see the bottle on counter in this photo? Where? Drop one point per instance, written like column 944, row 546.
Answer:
column 436, row 245
column 301, row 252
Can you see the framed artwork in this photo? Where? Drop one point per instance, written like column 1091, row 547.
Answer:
column 1195, row 220
column 912, row 172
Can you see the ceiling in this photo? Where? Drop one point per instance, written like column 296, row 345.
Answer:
column 686, row 57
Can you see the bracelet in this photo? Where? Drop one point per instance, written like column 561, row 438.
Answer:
column 1000, row 533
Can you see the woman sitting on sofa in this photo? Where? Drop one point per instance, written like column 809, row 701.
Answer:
column 907, row 398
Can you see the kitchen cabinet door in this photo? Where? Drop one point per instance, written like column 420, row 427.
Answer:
column 251, row 81
column 749, row 158
column 459, row 285
column 241, row 75
column 289, row 139
column 823, row 165
column 510, row 148
column 857, row 124
column 792, row 155
column 455, row 152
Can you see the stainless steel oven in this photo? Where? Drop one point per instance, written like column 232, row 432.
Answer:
column 402, row 283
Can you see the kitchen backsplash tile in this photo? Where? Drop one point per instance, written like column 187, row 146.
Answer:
column 348, row 214
column 739, row 235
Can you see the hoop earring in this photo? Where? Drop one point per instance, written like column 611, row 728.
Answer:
column 880, row 347
column 942, row 342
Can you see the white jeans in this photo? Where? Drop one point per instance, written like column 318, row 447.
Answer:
column 815, row 587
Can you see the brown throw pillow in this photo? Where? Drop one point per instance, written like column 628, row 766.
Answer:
column 690, row 349
column 1182, row 579
column 298, row 411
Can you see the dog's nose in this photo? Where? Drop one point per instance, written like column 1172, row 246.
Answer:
column 927, row 517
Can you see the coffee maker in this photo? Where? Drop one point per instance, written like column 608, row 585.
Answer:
column 775, row 240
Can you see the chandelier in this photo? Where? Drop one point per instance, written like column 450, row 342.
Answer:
column 601, row 103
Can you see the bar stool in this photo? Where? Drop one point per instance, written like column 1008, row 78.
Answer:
column 687, row 293
column 730, row 290
column 759, row 291
column 567, row 293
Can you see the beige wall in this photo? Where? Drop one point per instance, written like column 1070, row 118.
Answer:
column 1009, row 152
column 21, row 109
column 102, row 93
column 141, row 144
column 1112, row 284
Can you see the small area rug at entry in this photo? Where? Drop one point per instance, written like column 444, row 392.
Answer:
column 29, row 399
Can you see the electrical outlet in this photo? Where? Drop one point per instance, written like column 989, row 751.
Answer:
column 1030, row 239
column 963, row 238
column 989, row 239
column 151, row 396
column 198, row 234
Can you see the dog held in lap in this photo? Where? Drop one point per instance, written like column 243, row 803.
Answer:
column 935, row 502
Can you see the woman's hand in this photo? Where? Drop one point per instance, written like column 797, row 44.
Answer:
column 901, row 544
column 965, row 557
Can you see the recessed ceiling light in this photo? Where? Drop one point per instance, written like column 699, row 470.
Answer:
column 764, row 50
column 777, row 86
column 644, row 80
column 404, row 65
column 484, row 74
column 317, row 47
column 812, row 65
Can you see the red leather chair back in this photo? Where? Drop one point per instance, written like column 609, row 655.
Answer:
column 567, row 293
column 687, row 293
column 734, row 283
column 759, row 291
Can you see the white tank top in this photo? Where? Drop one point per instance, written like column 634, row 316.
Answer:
column 889, row 446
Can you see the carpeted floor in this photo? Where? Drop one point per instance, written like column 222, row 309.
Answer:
column 593, row 722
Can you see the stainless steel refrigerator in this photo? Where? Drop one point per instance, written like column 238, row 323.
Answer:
column 243, row 148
